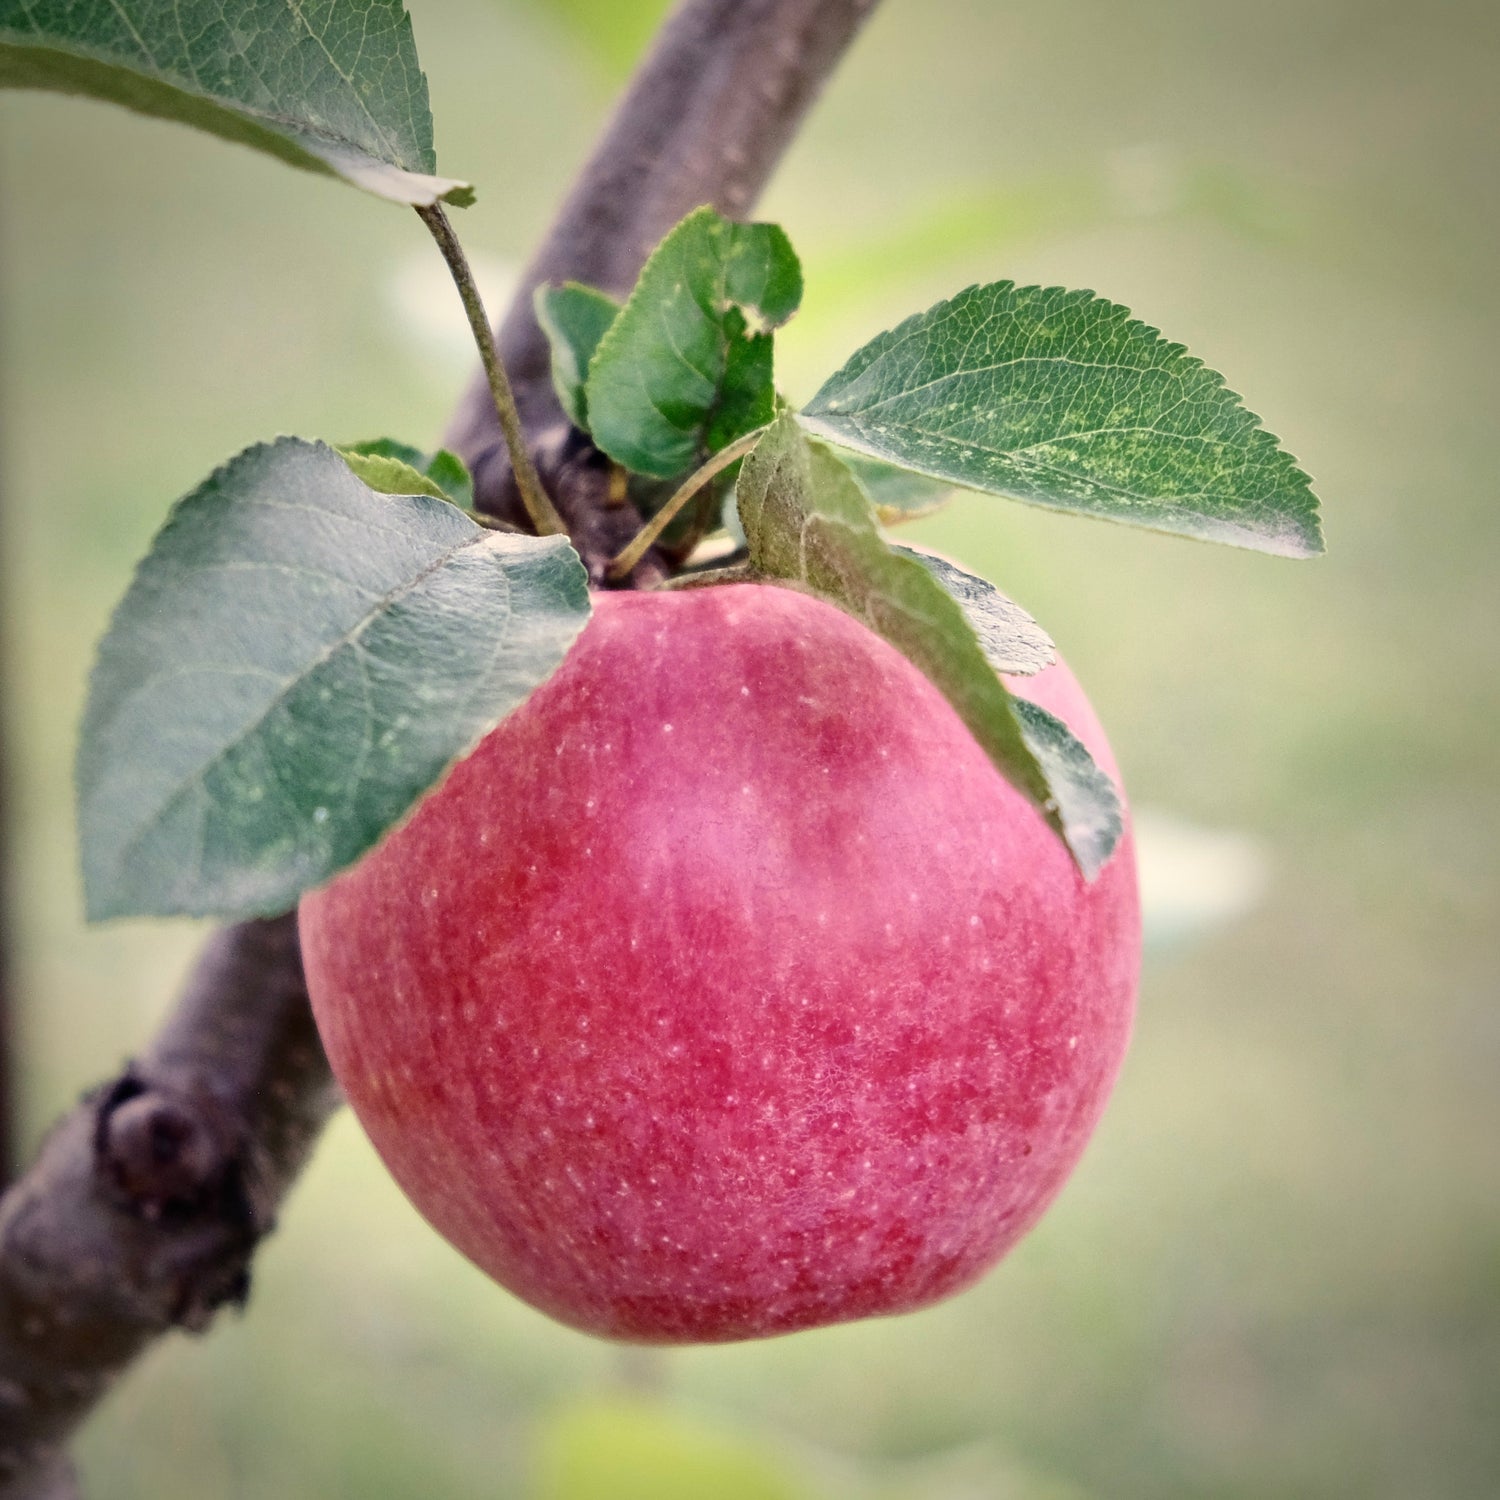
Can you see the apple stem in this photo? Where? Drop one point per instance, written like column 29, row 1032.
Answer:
column 641, row 542
column 534, row 496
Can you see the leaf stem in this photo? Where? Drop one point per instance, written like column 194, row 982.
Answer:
column 642, row 540
column 538, row 503
column 739, row 572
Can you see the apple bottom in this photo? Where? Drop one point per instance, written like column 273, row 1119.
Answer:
column 726, row 988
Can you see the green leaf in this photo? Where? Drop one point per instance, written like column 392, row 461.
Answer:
column 297, row 660
column 1011, row 640
column 451, row 475
column 1087, row 803
column 389, row 476
column 686, row 366
column 808, row 521
column 897, row 494
column 384, row 447
column 747, row 393
column 395, row 468
column 331, row 86
column 574, row 317
column 1062, row 399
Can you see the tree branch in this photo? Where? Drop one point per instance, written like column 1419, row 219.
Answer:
column 146, row 1204
column 705, row 120
column 147, row 1201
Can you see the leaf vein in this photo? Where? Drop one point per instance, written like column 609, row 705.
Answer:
column 348, row 638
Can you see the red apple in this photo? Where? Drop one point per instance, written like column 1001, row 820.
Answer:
column 727, row 988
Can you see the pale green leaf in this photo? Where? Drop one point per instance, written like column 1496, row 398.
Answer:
column 390, row 476
column 297, row 660
column 331, row 86
column 396, row 468
column 808, row 521
column 574, row 317
column 1062, row 399
column 686, row 366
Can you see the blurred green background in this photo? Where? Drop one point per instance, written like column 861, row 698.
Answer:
column 1277, row 1272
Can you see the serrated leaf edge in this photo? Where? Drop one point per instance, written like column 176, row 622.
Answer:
column 1308, row 519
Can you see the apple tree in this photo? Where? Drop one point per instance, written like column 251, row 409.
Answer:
column 626, row 531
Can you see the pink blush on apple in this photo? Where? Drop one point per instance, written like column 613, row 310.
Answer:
column 726, row 988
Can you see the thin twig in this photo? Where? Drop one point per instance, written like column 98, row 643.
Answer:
column 647, row 536
column 538, row 503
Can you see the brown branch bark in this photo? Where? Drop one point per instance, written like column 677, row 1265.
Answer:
column 146, row 1204
column 144, row 1207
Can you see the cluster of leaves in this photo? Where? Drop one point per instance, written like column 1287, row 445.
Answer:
column 1033, row 393
column 318, row 633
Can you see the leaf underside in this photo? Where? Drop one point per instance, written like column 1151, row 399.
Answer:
column 297, row 660
column 1087, row 803
column 897, row 494
column 1011, row 640
column 1062, row 399
column 807, row 520
column 331, row 86
column 685, row 368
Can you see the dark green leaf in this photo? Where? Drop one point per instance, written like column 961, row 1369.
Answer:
column 330, row 87
column 297, row 660
column 451, row 475
column 574, row 317
column 1010, row 639
column 747, row 394
column 442, row 474
column 686, row 367
column 1062, row 399
column 384, row 447
column 897, row 494
column 807, row 520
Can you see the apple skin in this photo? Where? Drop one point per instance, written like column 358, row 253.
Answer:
column 726, row 988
